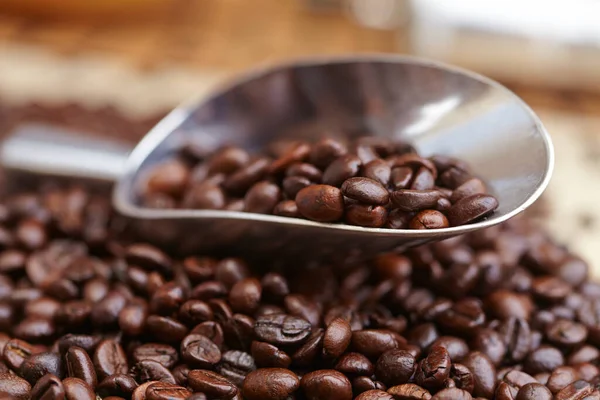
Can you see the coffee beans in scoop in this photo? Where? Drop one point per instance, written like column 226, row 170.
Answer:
column 88, row 313
column 372, row 182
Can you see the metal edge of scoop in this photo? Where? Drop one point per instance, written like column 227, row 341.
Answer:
column 147, row 145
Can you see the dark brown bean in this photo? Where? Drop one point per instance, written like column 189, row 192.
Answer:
column 342, row 168
column 429, row 219
column 365, row 190
column 322, row 203
column 326, row 384
column 79, row 365
column 14, row 387
column 337, row 338
column 282, row 329
column 266, row 355
column 199, row 351
column 366, row 215
column 377, row 170
column 409, row 391
column 262, row 198
column 77, row 389
column 470, row 209
column 484, row 373
column 166, row 391
column 270, row 383
column 325, row 151
column 415, row 200
column 395, row 367
column 169, row 177
column 211, row 384
column 109, row 358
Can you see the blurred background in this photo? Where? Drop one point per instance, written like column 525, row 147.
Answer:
column 115, row 67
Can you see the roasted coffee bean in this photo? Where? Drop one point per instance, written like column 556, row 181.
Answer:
column 484, row 373
column 415, row 200
column 169, row 177
column 434, row 369
column 48, row 387
column 365, row 215
column 262, row 198
column 228, row 160
column 452, row 394
column 365, row 190
column 117, row 385
column 241, row 180
column 326, row 384
column 211, row 384
column 309, row 351
column 409, row 391
column 295, row 153
column 86, row 342
column 374, row 342
column 270, row 383
column 79, row 365
column 14, row 387
column 304, row 169
column 543, row 359
column 109, row 359
column 422, row 335
column 266, row 355
column 245, row 295
column 166, row 329
column 77, row 389
column 428, row 219
column 352, row 364
column 205, row 196
column 378, row 170
column 322, row 203
column 281, row 329
column 471, row 208
column 395, row 367
column 463, row 317
column 490, row 343
column 566, row 333
column 294, row 184
column 287, row 208
column 342, row 168
column 462, row 377
column 325, row 151
column 235, row 365
column 199, row 351
column 166, row 391
column 161, row 353
column 374, row 395
column 337, row 338
column 15, row 352
column 140, row 392
column 147, row 370
column 132, row 318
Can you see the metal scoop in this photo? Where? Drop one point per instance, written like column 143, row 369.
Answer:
column 438, row 108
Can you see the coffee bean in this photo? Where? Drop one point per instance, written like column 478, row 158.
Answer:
column 86, row 342
column 543, row 359
column 205, row 196
column 566, row 333
column 471, row 208
column 462, row 377
column 308, row 352
column 79, row 365
column 395, row 367
column 281, row 329
column 306, row 170
column 117, row 385
column 325, row 151
column 245, row 295
column 352, row 364
column 326, row 384
column 561, row 377
column 241, row 180
column 169, row 177
column 434, row 369
column 490, row 343
column 429, row 219
column 148, row 257
column 109, row 358
column 212, row 384
column 374, row 395
column 48, row 387
column 342, row 168
column 199, row 351
column 287, row 208
column 463, row 317
column 365, row 190
column 166, row 329
column 294, row 184
column 337, row 338
column 452, row 394
column 484, row 373
column 132, row 318
column 235, row 365
column 161, row 353
column 262, row 198
column 77, row 389
column 270, row 383
column 228, row 160
column 320, row 203
column 365, row 215
column 409, row 391
column 14, row 387
column 140, row 392
column 457, row 348
column 415, row 200
column 147, row 370
column 374, row 342
column 267, row 355
column 15, row 352
column 166, row 391
column 378, row 170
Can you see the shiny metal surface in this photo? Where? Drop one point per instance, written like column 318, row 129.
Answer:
column 440, row 109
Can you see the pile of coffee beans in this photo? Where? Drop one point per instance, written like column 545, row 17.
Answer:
column 503, row 314
column 371, row 182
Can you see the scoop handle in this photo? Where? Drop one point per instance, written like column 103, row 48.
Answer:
column 35, row 149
